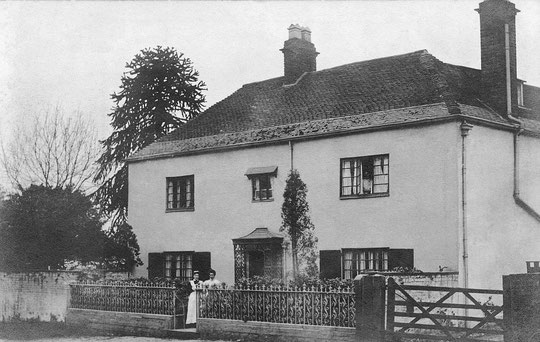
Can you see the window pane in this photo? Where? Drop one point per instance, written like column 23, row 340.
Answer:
column 381, row 179
column 362, row 264
column 380, row 189
column 346, row 172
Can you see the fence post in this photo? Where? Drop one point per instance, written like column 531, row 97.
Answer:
column 370, row 293
column 174, row 308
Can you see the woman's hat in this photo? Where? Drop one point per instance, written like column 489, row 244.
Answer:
column 195, row 272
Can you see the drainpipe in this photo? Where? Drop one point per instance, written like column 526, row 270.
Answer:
column 519, row 201
column 465, row 128
column 291, row 147
column 508, row 79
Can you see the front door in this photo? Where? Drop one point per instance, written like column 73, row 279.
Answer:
column 255, row 263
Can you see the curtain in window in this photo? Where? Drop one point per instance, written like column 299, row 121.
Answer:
column 169, row 194
column 178, row 266
column 188, row 193
column 357, row 177
column 178, row 193
column 168, row 265
column 185, row 267
column 362, row 261
column 380, row 174
column 371, row 265
column 256, row 188
column 347, row 264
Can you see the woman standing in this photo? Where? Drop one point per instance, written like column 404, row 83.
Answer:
column 212, row 283
column 192, row 301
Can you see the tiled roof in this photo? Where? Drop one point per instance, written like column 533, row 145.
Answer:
column 531, row 125
column 311, row 128
column 386, row 91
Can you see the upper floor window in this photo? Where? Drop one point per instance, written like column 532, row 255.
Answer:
column 180, row 193
column 520, row 94
column 261, row 182
column 261, row 187
column 364, row 176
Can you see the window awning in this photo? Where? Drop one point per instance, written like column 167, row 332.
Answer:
column 261, row 170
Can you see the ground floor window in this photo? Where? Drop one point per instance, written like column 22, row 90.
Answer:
column 178, row 264
column 360, row 260
column 347, row 263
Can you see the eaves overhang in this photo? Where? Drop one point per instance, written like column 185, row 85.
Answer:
column 334, row 133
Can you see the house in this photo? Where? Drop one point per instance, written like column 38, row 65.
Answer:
column 409, row 162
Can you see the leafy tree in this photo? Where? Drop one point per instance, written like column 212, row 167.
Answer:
column 121, row 249
column 44, row 227
column 159, row 92
column 55, row 150
column 297, row 224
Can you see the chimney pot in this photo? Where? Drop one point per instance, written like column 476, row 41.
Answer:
column 295, row 31
column 306, row 34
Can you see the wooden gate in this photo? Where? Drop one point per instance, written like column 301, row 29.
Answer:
column 443, row 313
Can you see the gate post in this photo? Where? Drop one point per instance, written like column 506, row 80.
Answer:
column 370, row 293
column 521, row 310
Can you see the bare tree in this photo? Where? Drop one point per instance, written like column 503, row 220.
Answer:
column 55, row 150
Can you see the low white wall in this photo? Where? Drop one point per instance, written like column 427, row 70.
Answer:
column 42, row 296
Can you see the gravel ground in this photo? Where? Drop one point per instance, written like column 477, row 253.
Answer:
column 104, row 338
column 59, row 332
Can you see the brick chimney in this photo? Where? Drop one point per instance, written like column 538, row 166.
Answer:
column 299, row 53
column 498, row 53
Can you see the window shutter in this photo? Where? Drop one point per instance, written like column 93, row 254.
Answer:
column 156, row 265
column 201, row 263
column 330, row 264
column 400, row 258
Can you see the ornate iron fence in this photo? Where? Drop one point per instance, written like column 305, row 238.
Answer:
column 140, row 297
column 278, row 304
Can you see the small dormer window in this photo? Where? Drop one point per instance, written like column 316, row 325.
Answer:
column 520, row 94
column 261, row 182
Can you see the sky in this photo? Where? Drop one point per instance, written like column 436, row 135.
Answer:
column 73, row 54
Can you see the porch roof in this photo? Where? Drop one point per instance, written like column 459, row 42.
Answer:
column 260, row 235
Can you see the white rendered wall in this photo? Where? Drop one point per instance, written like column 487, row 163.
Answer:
column 420, row 213
column 502, row 236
